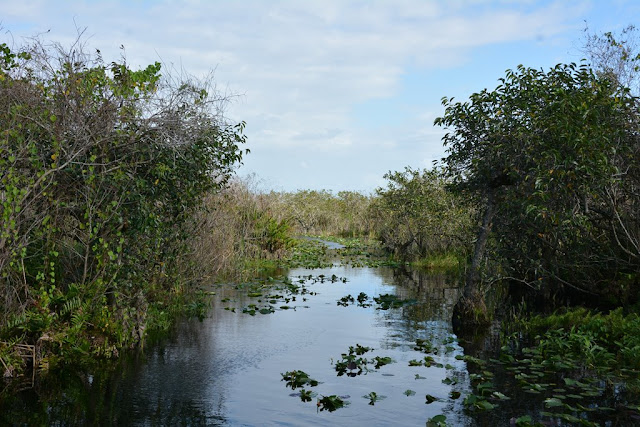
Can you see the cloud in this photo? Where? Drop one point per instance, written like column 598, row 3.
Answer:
column 302, row 67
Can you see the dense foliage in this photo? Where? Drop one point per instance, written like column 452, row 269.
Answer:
column 553, row 155
column 101, row 170
column 417, row 217
column 312, row 212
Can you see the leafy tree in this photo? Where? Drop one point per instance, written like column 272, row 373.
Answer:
column 416, row 216
column 539, row 151
column 101, row 169
column 617, row 57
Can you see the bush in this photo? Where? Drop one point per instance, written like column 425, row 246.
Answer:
column 101, row 170
column 416, row 216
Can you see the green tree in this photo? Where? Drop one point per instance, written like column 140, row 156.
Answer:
column 416, row 216
column 539, row 151
column 101, row 169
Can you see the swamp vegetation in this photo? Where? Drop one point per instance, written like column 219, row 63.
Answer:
column 121, row 220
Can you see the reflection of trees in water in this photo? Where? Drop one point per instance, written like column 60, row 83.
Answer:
column 173, row 385
column 429, row 318
column 166, row 386
column 435, row 295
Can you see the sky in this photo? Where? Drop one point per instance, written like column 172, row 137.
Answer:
column 334, row 93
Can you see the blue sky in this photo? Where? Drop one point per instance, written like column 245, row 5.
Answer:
column 334, row 93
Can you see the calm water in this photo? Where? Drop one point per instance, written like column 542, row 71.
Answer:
column 226, row 370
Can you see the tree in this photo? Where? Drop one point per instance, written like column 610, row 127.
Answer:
column 417, row 217
column 539, row 151
column 616, row 56
column 101, row 168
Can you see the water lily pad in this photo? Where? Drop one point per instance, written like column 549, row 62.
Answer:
column 331, row 403
column 553, row 402
column 430, row 399
column 437, row 421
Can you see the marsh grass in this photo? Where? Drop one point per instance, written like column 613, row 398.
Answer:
column 448, row 261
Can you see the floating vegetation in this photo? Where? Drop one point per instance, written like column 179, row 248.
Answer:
column 577, row 368
column 449, row 381
column 305, row 395
column 428, row 361
column 379, row 362
column 363, row 300
column 437, row 421
column 409, row 393
column 270, row 292
column 387, row 301
column 253, row 309
column 478, row 403
column 353, row 364
column 298, row 379
column 346, row 301
column 425, row 346
column 430, row 399
column 373, row 397
column 331, row 403
column 308, row 254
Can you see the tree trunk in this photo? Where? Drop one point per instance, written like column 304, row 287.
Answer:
column 471, row 308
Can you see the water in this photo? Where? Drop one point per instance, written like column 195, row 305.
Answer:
column 226, row 370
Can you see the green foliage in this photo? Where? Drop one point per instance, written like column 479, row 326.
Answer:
column 101, row 170
column 298, row 379
column 312, row 212
column 416, row 216
column 609, row 341
column 550, row 154
column 273, row 235
column 437, row 421
column 331, row 403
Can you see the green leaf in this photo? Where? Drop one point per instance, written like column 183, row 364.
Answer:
column 553, row 402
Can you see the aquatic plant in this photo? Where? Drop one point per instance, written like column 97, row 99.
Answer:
column 437, row 421
column 331, row 403
column 298, row 379
column 387, row 301
column 374, row 397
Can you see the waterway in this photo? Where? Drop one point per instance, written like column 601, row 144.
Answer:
column 228, row 368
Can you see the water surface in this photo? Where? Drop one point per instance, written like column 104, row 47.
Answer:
column 226, row 370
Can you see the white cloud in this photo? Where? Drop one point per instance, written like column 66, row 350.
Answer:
column 301, row 66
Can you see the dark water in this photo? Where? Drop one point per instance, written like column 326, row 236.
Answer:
column 226, row 370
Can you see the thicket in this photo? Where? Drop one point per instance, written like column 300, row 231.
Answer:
column 416, row 217
column 237, row 230
column 311, row 212
column 552, row 157
column 102, row 169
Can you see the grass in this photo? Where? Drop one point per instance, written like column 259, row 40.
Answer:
column 440, row 262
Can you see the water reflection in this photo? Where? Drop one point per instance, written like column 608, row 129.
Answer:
column 227, row 369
